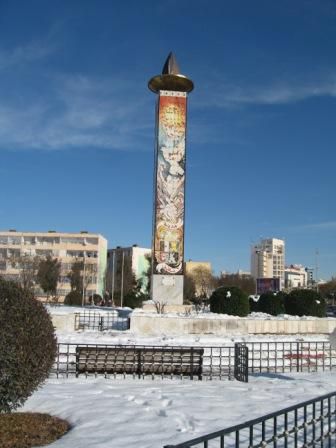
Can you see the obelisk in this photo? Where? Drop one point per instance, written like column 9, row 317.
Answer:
column 171, row 88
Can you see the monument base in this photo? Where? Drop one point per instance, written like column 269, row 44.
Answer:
column 167, row 289
column 180, row 309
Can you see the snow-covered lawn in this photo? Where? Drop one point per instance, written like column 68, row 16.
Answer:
column 117, row 413
column 147, row 414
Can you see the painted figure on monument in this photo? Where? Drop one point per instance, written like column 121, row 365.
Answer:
column 170, row 178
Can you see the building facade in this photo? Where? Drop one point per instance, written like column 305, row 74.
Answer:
column 268, row 260
column 295, row 276
column 68, row 248
column 124, row 265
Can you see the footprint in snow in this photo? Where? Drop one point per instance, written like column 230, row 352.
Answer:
column 166, row 403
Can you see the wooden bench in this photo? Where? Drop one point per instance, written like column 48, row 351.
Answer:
column 181, row 361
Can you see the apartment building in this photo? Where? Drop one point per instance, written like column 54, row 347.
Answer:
column 68, row 248
column 268, row 260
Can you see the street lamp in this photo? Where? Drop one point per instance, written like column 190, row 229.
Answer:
column 122, row 280
column 83, row 294
column 257, row 276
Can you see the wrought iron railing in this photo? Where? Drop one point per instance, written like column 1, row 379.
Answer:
column 217, row 362
column 310, row 423
column 285, row 357
column 93, row 320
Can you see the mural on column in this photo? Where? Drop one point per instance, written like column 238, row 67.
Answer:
column 170, row 178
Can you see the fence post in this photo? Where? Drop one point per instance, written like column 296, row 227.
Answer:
column 76, row 321
column 241, row 362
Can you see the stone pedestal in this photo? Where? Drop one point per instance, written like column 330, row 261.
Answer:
column 167, row 289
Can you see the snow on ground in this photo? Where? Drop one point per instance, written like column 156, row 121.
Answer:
column 149, row 414
column 63, row 309
column 128, row 338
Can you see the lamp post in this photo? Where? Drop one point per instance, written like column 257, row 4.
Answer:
column 258, row 267
column 113, row 271
column 122, row 280
column 83, row 294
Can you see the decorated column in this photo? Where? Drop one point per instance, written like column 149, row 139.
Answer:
column 169, row 187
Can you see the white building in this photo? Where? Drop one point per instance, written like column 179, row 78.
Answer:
column 295, row 276
column 123, row 261
column 68, row 248
column 268, row 260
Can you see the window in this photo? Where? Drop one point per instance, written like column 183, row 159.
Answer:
column 72, row 240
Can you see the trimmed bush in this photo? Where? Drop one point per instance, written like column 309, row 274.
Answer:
column 27, row 345
column 229, row 300
column 271, row 303
column 95, row 299
column 253, row 305
column 134, row 299
column 305, row 302
column 74, row 298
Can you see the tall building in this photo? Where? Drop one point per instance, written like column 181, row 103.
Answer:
column 68, row 248
column 268, row 260
column 295, row 276
column 125, row 264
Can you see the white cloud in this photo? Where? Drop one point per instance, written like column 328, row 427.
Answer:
column 278, row 92
column 325, row 225
column 78, row 112
column 23, row 54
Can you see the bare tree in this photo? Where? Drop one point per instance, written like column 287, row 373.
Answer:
column 27, row 267
column 245, row 282
column 204, row 281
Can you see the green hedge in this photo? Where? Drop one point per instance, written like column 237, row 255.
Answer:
column 305, row 302
column 27, row 345
column 271, row 303
column 229, row 300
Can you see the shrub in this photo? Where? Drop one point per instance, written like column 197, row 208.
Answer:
column 95, row 299
column 229, row 300
column 73, row 298
column 271, row 303
column 134, row 299
column 27, row 345
column 305, row 302
column 253, row 305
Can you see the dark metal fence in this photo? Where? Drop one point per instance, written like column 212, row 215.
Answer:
column 217, row 362
column 288, row 357
column 310, row 423
column 93, row 320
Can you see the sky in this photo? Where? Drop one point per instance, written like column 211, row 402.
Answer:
column 77, row 122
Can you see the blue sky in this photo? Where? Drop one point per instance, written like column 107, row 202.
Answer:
column 77, row 121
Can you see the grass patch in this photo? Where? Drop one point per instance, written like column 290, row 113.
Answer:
column 25, row 429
